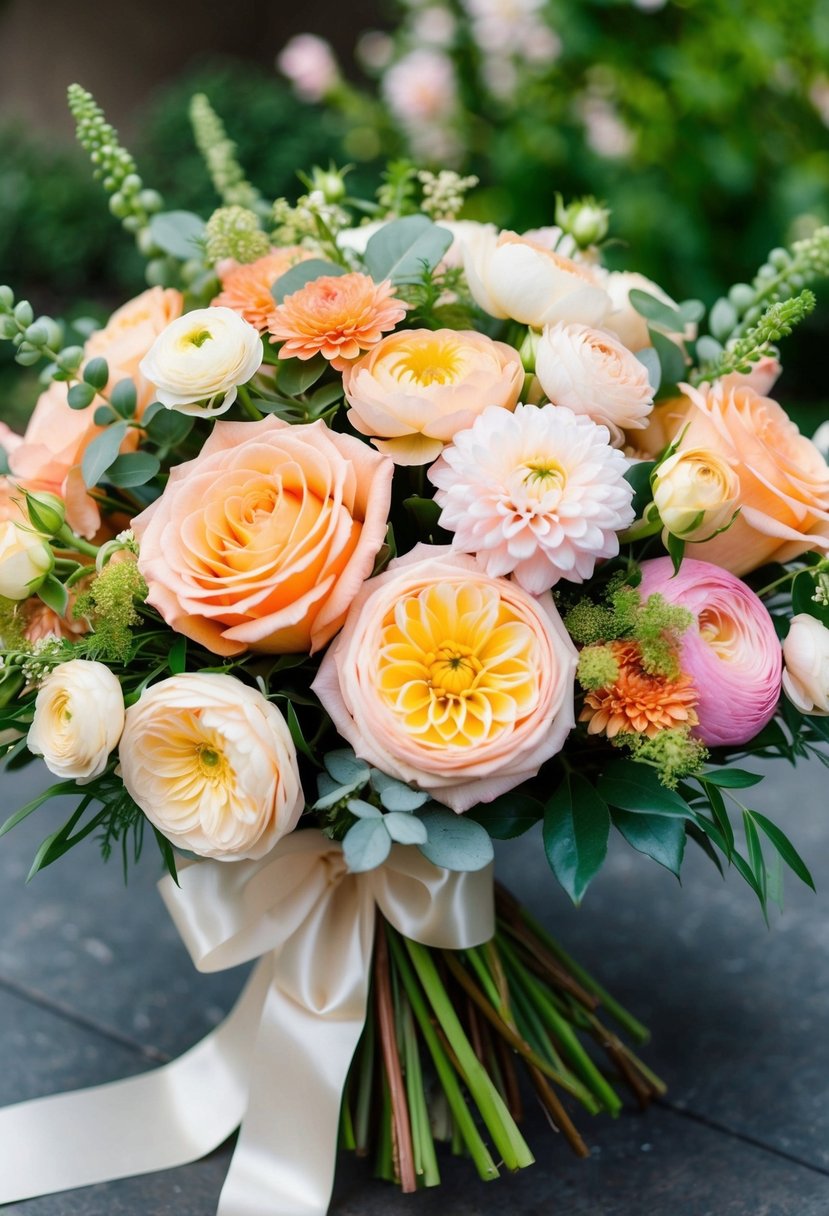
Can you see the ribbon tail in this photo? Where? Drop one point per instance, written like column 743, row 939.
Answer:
column 156, row 1121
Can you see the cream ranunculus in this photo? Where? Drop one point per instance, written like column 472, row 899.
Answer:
column 592, row 372
column 25, row 560
column 696, row 493
column 79, row 716
column 416, row 389
column 198, row 362
column 510, row 276
column 212, row 765
column 806, row 674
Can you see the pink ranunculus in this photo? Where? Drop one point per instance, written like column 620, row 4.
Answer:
column 730, row 649
column 448, row 679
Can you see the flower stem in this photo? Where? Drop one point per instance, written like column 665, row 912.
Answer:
column 243, row 397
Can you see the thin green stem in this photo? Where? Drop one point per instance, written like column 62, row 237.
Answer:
column 243, row 397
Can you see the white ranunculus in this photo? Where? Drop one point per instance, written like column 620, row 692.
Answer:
column 593, row 373
column 198, row 362
column 212, row 765
column 25, row 560
column 79, row 716
column 806, row 674
column 696, row 493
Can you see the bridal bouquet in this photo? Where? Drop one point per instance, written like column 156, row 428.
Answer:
column 364, row 536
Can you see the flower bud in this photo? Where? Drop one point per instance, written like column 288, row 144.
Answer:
column 806, row 674
column 584, row 219
column 330, row 183
column 25, row 560
column 47, row 512
column 696, row 493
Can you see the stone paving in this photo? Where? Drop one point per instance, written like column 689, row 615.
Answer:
column 94, row 986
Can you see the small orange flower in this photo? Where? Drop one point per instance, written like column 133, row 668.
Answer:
column 337, row 316
column 639, row 701
column 247, row 288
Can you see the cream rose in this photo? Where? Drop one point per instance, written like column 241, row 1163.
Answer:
column 630, row 327
column 696, row 493
column 198, row 362
column 591, row 372
column 415, row 389
column 212, row 765
column 453, row 681
column 79, row 716
column 263, row 540
column 806, row 674
column 25, row 560
column 784, row 480
column 510, row 276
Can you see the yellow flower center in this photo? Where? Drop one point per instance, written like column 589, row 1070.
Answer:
column 457, row 666
column 430, row 361
column 721, row 633
column 196, row 337
column 541, row 474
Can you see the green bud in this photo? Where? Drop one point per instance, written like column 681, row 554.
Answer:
column 24, row 313
column 329, row 182
column 131, row 184
column 585, row 219
column 37, row 334
column 27, row 358
column 8, row 327
column 150, row 200
column 741, row 295
column 146, row 244
column 70, row 358
column 119, row 206
column 132, row 223
column 158, row 272
column 528, row 351
column 47, row 512
column 6, row 296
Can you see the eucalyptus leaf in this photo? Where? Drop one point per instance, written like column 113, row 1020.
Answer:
column 692, row 311
column 133, row 469
column 124, row 398
column 394, row 795
column 366, row 845
column 363, row 809
column 96, row 373
column 168, row 428
column 455, row 842
column 344, row 766
column 576, row 829
column 405, row 828
column 722, row 319
column 102, row 451
column 672, row 359
column 649, row 359
column 655, row 310
column 402, row 249
column 656, row 836
column 302, row 274
column 178, row 233
column 80, row 396
column 708, row 349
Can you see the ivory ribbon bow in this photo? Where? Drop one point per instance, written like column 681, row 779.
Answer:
column 278, row 1064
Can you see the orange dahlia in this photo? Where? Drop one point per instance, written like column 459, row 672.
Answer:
column 247, row 288
column 639, row 701
column 337, row 316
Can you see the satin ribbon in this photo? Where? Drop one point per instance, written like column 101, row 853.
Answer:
column 278, row 1064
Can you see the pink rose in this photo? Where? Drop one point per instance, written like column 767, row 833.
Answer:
column 730, row 650
column 262, row 541
column 450, row 680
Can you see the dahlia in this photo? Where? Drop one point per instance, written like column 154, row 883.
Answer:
column 638, row 701
column 539, row 493
column 247, row 288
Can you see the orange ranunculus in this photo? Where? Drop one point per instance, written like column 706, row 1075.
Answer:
column 263, row 541
column 246, row 288
column 784, row 480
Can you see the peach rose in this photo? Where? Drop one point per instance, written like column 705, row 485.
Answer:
column 663, row 424
column 417, row 388
column 262, row 541
column 130, row 332
column 784, row 480
column 450, row 680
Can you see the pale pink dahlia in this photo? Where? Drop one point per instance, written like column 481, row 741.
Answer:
column 539, row 493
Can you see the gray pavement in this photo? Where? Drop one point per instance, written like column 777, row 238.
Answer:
column 94, row 985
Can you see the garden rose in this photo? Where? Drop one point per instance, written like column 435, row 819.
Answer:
column 417, row 388
column 212, row 765
column 455, row 682
column 79, row 716
column 696, row 493
column 198, row 362
column 592, row 373
column 128, row 335
column 25, row 560
column 730, row 649
column 510, row 276
column 784, row 480
column 806, row 674
column 263, row 540
column 308, row 62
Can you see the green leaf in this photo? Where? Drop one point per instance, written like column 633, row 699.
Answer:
column 394, row 795
column 649, row 359
column 755, row 855
column 455, row 842
column 133, row 469
column 103, row 416
column 54, row 791
column 731, row 778
column 295, row 376
column 363, row 809
column 96, row 373
column 406, row 829
column 720, row 813
column 656, row 836
column 101, row 452
column 508, row 816
column 168, row 428
column 296, row 734
column 636, row 787
column 54, row 595
column 168, row 854
column 425, row 512
column 784, row 847
column 404, row 248
column 177, row 658
column 324, row 396
column 722, row 319
column 576, row 828
column 366, row 845
column 344, row 766
column 691, row 311
column 80, row 396
column 652, row 309
column 178, row 233
column 803, row 588
column 672, row 359
column 302, row 274
column 639, row 477
column 676, row 548
column 124, row 398
column 708, row 349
